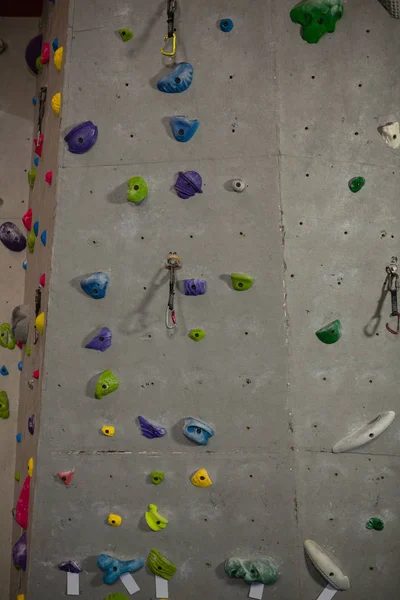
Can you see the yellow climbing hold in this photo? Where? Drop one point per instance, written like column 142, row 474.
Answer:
column 114, row 520
column 108, row 430
column 58, row 57
column 20, row 596
column 30, row 467
column 154, row 520
column 201, row 478
column 40, row 322
column 56, row 103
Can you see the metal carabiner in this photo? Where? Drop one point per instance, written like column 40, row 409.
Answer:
column 392, row 280
column 398, row 324
column 173, row 51
column 173, row 262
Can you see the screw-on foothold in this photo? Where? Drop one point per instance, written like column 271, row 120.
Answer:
column 31, row 178
column 40, row 322
column 70, row 567
column 20, row 364
column 3, row 370
column 17, row 476
column 4, row 406
column 31, row 466
column 375, row 523
column 137, row 190
column 108, row 430
column 114, row 520
column 66, row 476
column 36, row 161
column 157, row 477
column 27, row 219
column 31, row 424
column 106, row 384
column 331, row 333
column 43, row 237
column 28, row 350
column 34, row 100
column 56, row 103
column 241, row 282
column 55, row 44
column 95, row 285
column 31, row 241
column 36, row 374
column 238, row 185
column 356, row 184
column 126, row 34
column 201, row 478
column 48, row 177
column 36, row 228
column 58, row 57
column 42, row 280
column 226, row 25
column 154, row 520
column 197, row 335
column 18, row 437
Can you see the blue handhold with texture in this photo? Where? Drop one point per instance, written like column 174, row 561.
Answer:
column 177, row 80
column 101, row 341
column 197, row 431
column 226, row 25
column 34, row 100
column 114, row 568
column 3, row 370
column 20, row 365
column 55, row 44
column 183, row 129
column 36, row 228
column 36, row 161
column 19, row 438
column 43, row 237
column 95, row 285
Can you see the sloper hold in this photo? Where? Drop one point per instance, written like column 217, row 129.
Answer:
column 106, row 384
column 58, row 57
column 27, row 219
column 183, row 129
column 4, row 371
column 108, row 430
column 45, row 53
column 66, row 476
column 137, row 190
column 154, row 520
column 150, row 430
column 368, row 432
column 241, row 282
column 114, row 568
column 197, row 431
column 188, row 184
column 391, row 134
column 331, row 333
column 20, row 551
column 125, row 34
column 160, row 565
column 195, row 287
column 253, row 570
column 4, row 406
column 81, row 137
column 40, row 322
column 56, row 103
column 178, row 80
column 70, row 566
column 31, row 241
column 356, row 184
column 31, row 178
column 201, row 478
column 31, row 466
column 7, row 340
column 95, row 285
column 43, row 237
column 101, row 341
column 317, row 17
column 197, row 334
column 22, row 508
column 12, row 237
column 157, row 477
column 326, row 565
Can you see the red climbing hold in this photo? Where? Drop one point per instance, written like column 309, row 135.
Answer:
column 22, row 508
column 66, row 476
column 48, row 177
column 27, row 219
column 36, row 374
column 45, row 53
column 42, row 279
column 38, row 144
column 20, row 344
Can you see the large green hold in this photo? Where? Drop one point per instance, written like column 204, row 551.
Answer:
column 106, row 384
column 241, row 282
column 137, row 190
column 331, row 333
column 257, row 570
column 159, row 565
column 7, row 340
column 356, row 184
column 4, row 406
column 375, row 523
column 317, row 17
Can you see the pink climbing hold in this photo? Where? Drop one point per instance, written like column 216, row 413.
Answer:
column 36, row 374
column 42, row 279
column 27, row 219
column 45, row 53
column 22, row 508
column 48, row 177
column 38, row 144
column 66, row 476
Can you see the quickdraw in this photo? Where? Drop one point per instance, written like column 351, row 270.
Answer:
column 173, row 262
column 171, row 8
column 392, row 285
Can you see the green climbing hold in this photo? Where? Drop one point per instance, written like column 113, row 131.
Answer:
column 252, row 570
column 137, row 190
column 4, row 406
column 106, row 384
column 28, row 350
column 30, row 240
column 317, row 17
column 159, row 565
column 197, row 334
column 126, row 34
column 39, row 64
column 116, row 596
column 31, row 178
column 375, row 523
column 241, row 282
column 356, row 184
column 17, row 476
column 7, row 340
column 331, row 333
column 157, row 477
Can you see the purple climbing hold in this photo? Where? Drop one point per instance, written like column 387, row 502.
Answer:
column 101, row 341
column 12, row 237
column 31, row 424
column 70, row 567
column 81, row 137
column 150, row 430
column 19, row 552
column 195, row 287
column 188, row 184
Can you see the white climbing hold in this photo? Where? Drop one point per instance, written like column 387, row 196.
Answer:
column 366, row 433
column 326, row 565
column 391, row 134
column 238, row 185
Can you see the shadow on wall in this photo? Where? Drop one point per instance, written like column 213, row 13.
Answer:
column 22, row 8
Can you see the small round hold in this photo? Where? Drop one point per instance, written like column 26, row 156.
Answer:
column 226, row 25
column 238, row 185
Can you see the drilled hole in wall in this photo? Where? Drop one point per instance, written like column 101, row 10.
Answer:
column 345, row 233
column 246, row 333
column 371, row 435
column 250, row 475
column 301, row 223
column 360, row 85
column 356, row 133
column 307, row 174
column 306, row 128
column 312, row 76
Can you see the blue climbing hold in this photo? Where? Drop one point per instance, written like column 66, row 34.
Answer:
column 114, row 568
column 197, row 431
column 43, row 237
column 177, row 80
column 3, row 370
column 20, row 365
column 183, row 129
column 36, row 161
column 18, row 437
column 55, row 44
column 25, row 264
column 34, row 100
column 36, row 228
column 95, row 285
column 226, row 25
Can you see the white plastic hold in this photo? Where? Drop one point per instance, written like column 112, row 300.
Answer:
column 238, row 185
column 326, row 565
column 391, row 134
column 366, row 433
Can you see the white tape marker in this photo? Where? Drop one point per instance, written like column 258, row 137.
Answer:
column 256, row 591
column 161, row 587
column 328, row 593
column 129, row 583
column 72, row 584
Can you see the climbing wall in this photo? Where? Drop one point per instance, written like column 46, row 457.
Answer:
column 295, row 122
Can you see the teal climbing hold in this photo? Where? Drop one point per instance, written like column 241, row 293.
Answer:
column 317, row 17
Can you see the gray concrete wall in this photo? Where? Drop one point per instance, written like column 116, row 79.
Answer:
column 282, row 115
